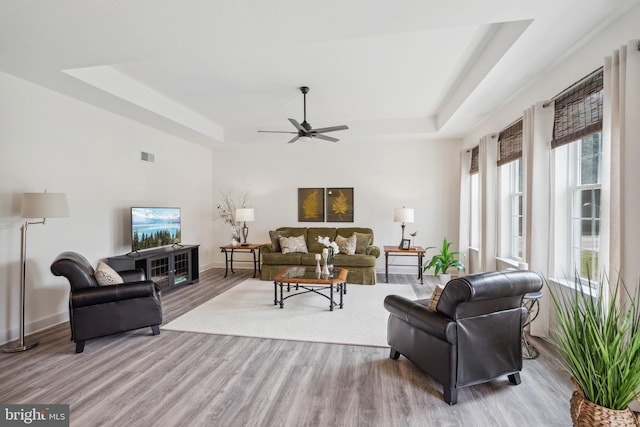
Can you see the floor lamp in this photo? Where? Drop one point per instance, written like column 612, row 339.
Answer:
column 34, row 205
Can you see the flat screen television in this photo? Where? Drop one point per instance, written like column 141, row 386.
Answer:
column 154, row 227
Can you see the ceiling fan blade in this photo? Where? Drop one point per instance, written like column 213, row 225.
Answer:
column 326, row 138
column 331, row 129
column 274, row 131
column 298, row 126
column 294, row 139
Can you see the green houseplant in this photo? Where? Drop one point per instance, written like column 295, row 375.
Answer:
column 599, row 340
column 444, row 260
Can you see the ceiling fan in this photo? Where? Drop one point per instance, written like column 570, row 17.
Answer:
column 304, row 129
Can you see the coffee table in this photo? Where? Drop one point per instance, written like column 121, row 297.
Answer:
column 307, row 280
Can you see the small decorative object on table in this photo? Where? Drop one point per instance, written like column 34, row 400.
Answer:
column 318, row 269
column 330, row 249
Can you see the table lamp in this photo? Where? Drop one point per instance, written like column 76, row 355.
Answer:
column 245, row 215
column 34, row 205
column 403, row 215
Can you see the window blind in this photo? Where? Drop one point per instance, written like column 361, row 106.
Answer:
column 510, row 143
column 475, row 165
column 578, row 111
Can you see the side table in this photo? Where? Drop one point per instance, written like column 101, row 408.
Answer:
column 229, row 250
column 415, row 251
column 531, row 302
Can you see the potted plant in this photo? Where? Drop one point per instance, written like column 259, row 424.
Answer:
column 599, row 340
column 443, row 261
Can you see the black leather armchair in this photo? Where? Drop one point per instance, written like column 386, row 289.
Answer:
column 96, row 311
column 474, row 336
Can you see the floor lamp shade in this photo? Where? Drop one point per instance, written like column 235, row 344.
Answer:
column 245, row 215
column 44, row 205
column 34, row 205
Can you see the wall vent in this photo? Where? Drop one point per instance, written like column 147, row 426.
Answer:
column 147, row 157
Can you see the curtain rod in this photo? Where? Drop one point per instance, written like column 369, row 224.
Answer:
column 588, row 76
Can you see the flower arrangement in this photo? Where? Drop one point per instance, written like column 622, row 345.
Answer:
column 328, row 244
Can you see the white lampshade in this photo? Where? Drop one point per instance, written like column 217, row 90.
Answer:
column 403, row 214
column 44, row 205
column 245, row 214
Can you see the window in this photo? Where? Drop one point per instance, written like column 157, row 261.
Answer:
column 474, row 229
column 585, row 212
column 517, row 206
column 577, row 181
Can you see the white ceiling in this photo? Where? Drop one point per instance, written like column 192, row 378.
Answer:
column 214, row 71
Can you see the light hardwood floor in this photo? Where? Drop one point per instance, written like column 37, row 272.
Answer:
column 190, row 379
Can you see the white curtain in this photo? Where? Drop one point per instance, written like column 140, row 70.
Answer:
column 537, row 130
column 488, row 167
column 465, row 203
column 620, row 203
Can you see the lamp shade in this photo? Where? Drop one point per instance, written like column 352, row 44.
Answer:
column 245, row 214
column 44, row 205
column 403, row 215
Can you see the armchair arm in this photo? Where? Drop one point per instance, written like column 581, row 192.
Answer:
column 136, row 275
column 373, row 250
column 418, row 315
column 113, row 293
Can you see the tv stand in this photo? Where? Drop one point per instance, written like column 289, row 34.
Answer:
column 169, row 266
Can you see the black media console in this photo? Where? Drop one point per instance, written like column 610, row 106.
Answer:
column 169, row 267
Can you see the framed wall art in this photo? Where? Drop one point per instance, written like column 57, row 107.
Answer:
column 310, row 204
column 339, row 204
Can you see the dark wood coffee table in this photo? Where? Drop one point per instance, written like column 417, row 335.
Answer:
column 307, row 280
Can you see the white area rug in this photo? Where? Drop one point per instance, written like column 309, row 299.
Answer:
column 248, row 310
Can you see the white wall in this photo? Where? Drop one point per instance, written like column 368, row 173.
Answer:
column 384, row 175
column 50, row 141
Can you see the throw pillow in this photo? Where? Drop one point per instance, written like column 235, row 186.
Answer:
column 105, row 275
column 435, row 297
column 363, row 240
column 275, row 239
column 293, row 244
column 347, row 246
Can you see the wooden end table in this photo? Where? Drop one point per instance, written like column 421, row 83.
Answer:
column 308, row 280
column 251, row 248
column 416, row 251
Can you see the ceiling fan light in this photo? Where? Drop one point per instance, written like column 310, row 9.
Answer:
column 304, row 139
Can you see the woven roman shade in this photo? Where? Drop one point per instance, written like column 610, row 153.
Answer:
column 578, row 111
column 510, row 143
column 475, row 165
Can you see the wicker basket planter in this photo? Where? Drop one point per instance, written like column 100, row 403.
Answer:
column 585, row 413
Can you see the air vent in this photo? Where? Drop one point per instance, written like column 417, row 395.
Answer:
column 147, row 157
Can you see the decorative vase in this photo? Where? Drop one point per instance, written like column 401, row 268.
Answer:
column 318, row 269
column 325, row 257
column 585, row 413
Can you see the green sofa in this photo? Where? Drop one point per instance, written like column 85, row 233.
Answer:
column 361, row 265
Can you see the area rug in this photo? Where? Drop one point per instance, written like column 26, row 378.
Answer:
column 247, row 310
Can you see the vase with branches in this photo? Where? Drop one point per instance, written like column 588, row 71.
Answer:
column 227, row 211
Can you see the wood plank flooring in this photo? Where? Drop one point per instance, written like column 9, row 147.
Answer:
column 190, row 379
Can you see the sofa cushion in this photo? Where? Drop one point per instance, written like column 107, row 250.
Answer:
column 347, row 246
column 278, row 258
column 312, row 238
column 342, row 260
column 105, row 275
column 362, row 241
column 293, row 244
column 275, row 239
